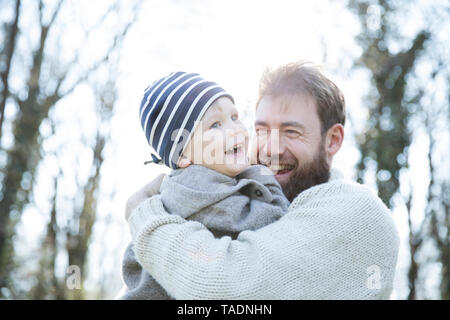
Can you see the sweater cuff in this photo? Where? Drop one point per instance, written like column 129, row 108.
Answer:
column 150, row 214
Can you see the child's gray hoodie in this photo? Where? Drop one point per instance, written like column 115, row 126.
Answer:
column 225, row 205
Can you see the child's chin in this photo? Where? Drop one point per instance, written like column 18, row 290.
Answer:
column 235, row 169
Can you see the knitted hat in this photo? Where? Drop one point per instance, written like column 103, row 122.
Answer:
column 170, row 109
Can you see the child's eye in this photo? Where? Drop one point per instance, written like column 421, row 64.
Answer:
column 215, row 125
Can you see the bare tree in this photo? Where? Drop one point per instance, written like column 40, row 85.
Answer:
column 437, row 211
column 77, row 244
column 8, row 48
column 48, row 286
column 25, row 155
column 388, row 135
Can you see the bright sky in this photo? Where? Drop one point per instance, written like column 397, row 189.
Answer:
column 229, row 42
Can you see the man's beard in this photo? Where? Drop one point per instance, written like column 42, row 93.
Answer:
column 307, row 175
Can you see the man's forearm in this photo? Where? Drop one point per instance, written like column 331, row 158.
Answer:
column 186, row 259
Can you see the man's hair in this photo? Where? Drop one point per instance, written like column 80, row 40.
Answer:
column 305, row 78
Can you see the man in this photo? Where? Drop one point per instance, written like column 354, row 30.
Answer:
column 337, row 241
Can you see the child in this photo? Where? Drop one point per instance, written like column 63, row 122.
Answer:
column 212, row 181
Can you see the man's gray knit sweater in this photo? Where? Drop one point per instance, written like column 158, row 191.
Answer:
column 225, row 205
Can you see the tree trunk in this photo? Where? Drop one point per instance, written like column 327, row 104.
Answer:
column 78, row 243
column 10, row 45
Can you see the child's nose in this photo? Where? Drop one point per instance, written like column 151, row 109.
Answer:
column 239, row 134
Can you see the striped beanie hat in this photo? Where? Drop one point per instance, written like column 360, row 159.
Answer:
column 170, row 109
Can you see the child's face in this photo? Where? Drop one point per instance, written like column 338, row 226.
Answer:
column 220, row 140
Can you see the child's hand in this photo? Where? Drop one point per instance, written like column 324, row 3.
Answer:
column 146, row 192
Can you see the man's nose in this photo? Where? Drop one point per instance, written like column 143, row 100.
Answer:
column 271, row 145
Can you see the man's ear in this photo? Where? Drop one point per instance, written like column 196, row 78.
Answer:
column 334, row 139
column 184, row 162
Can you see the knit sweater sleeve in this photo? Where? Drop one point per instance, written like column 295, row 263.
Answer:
column 323, row 248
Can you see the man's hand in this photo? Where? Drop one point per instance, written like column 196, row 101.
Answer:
column 144, row 193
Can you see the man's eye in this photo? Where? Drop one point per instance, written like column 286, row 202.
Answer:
column 215, row 125
column 260, row 132
column 292, row 132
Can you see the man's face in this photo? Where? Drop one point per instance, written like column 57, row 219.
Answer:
column 290, row 143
